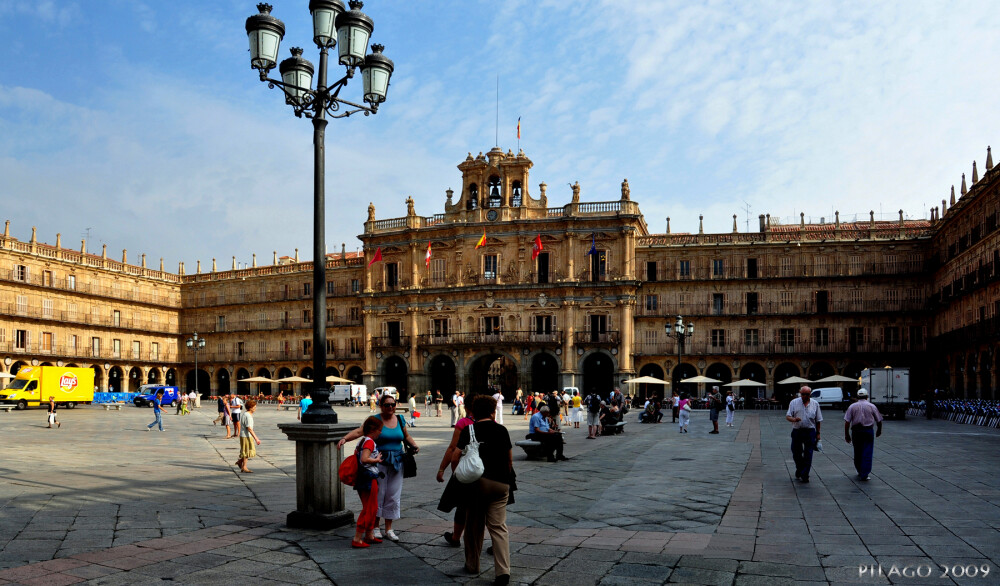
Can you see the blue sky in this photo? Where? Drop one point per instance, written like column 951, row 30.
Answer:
column 143, row 122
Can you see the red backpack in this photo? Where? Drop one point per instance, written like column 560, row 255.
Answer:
column 348, row 471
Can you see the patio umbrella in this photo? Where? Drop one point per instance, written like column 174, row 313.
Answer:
column 700, row 379
column 836, row 378
column 745, row 383
column 7, row 375
column 337, row 379
column 648, row 380
column 256, row 379
column 293, row 379
column 794, row 379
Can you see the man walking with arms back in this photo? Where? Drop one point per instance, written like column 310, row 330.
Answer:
column 714, row 404
column 862, row 424
column 805, row 417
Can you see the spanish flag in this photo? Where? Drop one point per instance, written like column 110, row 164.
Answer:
column 482, row 241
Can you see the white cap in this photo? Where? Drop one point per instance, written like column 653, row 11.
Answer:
column 862, row 392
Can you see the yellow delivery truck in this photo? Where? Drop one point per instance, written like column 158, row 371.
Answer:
column 33, row 386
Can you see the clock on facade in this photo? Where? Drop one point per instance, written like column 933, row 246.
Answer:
column 492, row 215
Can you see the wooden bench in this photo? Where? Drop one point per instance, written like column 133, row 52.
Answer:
column 115, row 406
column 7, row 408
column 288, row 407
column 615, row 429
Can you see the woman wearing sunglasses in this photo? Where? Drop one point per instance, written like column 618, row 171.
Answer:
column 390, row 445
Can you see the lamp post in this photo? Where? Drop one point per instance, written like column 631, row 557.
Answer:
column 195, row 343
column 350, row 31
column 676, row 330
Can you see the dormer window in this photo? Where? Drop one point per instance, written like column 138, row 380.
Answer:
column 496, row 200
column 515, row 194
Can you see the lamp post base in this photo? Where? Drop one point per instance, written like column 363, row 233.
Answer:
column 319, row 495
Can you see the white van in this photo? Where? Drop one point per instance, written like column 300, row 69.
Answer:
column 349, row 394
column 828, row 396
column 390, row 390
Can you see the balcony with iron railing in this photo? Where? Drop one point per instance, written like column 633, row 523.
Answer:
column 390, row 342
column 672, row 272
column 33, row 311
column 768, row 308
column 743, row 348
column 596, row 338
column 66, row 352
column 258, row 356
column 250, row 324
column 164, row 299
column 500, row 338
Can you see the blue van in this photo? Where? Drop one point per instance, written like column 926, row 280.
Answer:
column 148, row 392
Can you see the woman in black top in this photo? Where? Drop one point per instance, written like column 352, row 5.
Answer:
column 487, row 497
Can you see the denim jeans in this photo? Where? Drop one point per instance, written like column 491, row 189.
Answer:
column 158, row 421
column 863, row 439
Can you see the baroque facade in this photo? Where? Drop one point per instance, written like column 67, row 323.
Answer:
column 489, row 306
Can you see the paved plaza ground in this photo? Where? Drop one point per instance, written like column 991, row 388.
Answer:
column 103, row 501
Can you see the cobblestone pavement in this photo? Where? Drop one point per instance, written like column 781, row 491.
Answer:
column 105, row 502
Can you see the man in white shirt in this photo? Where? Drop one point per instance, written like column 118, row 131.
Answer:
column 498, row 396
column 805, row 416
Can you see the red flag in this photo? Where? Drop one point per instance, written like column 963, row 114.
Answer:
column 428, row 257
column 377, row 257
column 537, row 247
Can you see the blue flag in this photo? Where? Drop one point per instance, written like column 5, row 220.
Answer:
column 593, row 245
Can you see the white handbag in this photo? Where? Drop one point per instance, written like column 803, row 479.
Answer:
column 470, row 465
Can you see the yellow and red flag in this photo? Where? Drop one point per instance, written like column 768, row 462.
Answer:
column 482, row 241
column 518, row 128
column 377, row 257
column 428, row 257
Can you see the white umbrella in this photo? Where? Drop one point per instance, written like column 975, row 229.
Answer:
column 294, row 379
column 7, row 375
column 337, row 379
column 700, row 379
column 256, row 379
column 648, row 380
column 836, row 378
column 745, row 383
column 794, row 379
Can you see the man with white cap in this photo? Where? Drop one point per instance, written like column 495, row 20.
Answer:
column 862, row 424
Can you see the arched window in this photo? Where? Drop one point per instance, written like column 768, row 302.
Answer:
column 472, row 200
column 496, row 200
column 515, row 194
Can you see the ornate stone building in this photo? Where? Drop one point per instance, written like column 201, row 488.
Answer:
column 505, row 289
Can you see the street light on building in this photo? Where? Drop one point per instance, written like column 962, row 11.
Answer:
column 350, row 31
column 195, row 343
column 676, row 330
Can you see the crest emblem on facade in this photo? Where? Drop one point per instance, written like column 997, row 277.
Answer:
column 439, row 304
column 542, row 299
column 489, row 300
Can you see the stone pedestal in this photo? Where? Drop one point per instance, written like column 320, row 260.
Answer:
column 319, row 495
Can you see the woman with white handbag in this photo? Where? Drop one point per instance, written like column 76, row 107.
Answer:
column 486, row 467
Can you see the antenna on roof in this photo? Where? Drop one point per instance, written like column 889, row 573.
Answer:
column 747, row 209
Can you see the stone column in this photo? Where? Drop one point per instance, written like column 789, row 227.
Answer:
column 319, row 495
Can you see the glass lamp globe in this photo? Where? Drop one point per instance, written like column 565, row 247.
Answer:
column 354, row 28
column 297, row 73
column 375, row 74
column 265, row 33
column 324, row 16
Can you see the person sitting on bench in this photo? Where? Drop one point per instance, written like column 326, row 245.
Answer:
column 539, row 430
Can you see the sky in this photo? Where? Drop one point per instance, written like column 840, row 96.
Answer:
column 140, row 125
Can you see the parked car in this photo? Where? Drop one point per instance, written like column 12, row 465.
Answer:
column 148, row 393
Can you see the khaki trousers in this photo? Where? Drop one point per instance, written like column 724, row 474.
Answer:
column 487, row 511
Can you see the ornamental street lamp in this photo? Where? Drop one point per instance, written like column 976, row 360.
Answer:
column 195, row 343
column 350, row 31
column 677, row 331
